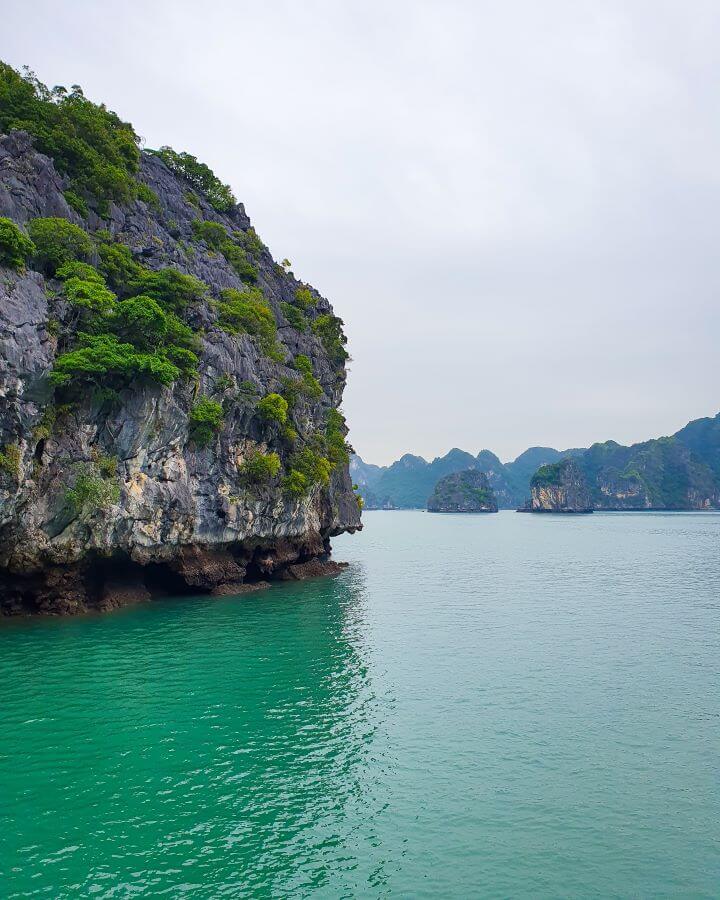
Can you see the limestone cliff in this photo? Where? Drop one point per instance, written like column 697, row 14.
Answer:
column 560, row 488
column 463, row 492
column 203, row 465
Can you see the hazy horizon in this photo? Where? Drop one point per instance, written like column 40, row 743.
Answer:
column 514, row 209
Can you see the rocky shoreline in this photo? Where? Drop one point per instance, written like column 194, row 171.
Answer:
column 102, row 585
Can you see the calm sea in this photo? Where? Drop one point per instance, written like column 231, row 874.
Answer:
column 480, row 706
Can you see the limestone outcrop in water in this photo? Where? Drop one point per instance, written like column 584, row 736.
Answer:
column 679, row 472
column 169, row 417
column 463, row 492
column 559, row 488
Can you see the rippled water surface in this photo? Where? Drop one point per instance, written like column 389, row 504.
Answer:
column 496, row 706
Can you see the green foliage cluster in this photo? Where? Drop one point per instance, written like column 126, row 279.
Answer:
column 247, row 312
column 259, row 467
column 329, row 329
column 337, row 449
column 224, row 383
column 86, row 141
column 200, row 176
column 171, row 288
column 310, row 386
column 85, row 287
column 116, row 262
column 235, row 249
column 145, row 193
column 295, row 483
column 126, row 339
column 212, row 233
column 101, row 356
column 205, row 421
column 307, row 468
column 95, row 487
column 294, row 316
column 57, row 242
column 238, row 259
column 549, row 475
column 250, row 241
column 273, row 408
column 44, row 428
column 10, row 460
column 15, row 247
column 304, row 298
column 76, row 202
column 144, row 322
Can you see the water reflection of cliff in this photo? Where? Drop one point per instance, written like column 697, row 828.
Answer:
column 224, row 743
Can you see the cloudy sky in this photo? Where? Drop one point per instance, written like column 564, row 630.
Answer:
column 515, row 207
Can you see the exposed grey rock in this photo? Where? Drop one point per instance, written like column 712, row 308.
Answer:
column 560, row 488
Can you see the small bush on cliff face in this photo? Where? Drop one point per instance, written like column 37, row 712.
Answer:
column 92, row 490
column 259, row 467
column 304, row 298
column 273, row 408
column 212, row 233
column 145, row 193
column 307, row 468
column 295, row 483
column 316, row 468
column 15, row 247
column 117, row 265
column 171, row 288
column 311, row 387
column 247, row 312
column 57, row 242
column 87, row 142
column 142, row 321
column 337, row 448
column 85, row 287
column 103, row 356
column 205, row 421
column 81, row 270
column 238, row 259
column 249, row 241
column 76, row 202
column 294, row 316
column 200, row 176
column 329, row 329
column 10, row 460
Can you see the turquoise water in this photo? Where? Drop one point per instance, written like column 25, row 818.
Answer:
column 480, row 706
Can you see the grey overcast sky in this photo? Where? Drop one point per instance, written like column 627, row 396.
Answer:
column 515, row 206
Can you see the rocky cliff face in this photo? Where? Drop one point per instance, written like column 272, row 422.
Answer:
column 463, row 492
column 106, row 493
column 560, row 488
column 663, row 473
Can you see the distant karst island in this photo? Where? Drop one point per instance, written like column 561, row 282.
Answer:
column 559, row 488
column 679, row 472
column 463, row 492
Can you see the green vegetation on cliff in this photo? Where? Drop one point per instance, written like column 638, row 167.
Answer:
column 549, row 475
column 86, row 141
column 15, row 247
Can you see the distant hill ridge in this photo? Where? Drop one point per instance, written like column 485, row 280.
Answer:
column 677, row 472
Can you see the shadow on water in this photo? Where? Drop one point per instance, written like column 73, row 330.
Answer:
column 208, row 746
